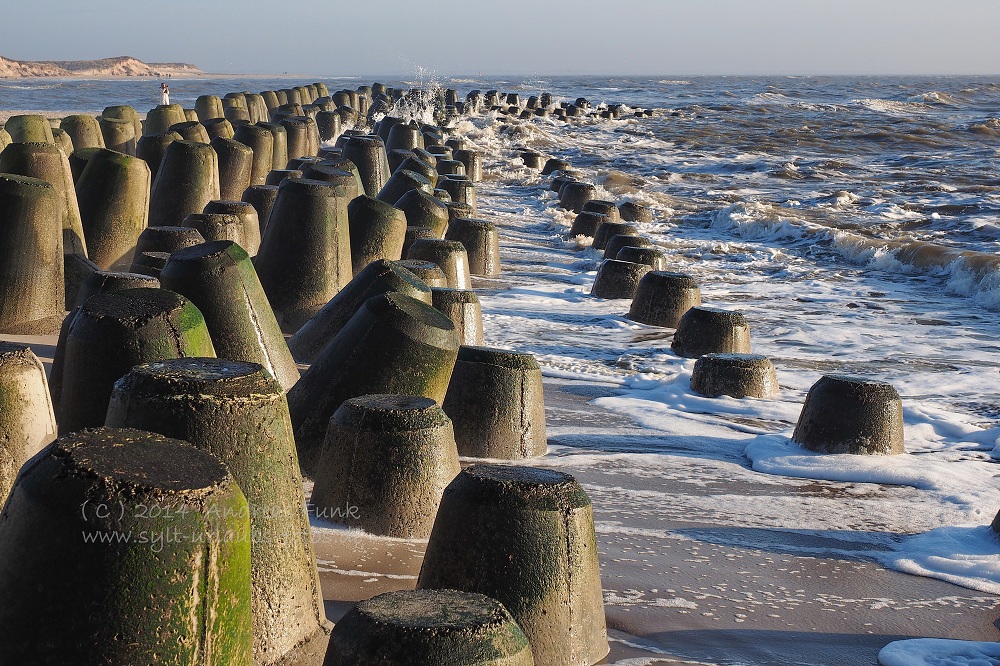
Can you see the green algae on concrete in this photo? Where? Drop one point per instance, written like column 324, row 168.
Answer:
column 237, row 412
column 164, row 575
column 32, row 292
column 113, row 195
column 116, row 330
column 27, row 421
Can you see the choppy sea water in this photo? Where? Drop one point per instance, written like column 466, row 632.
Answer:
column 855, row 222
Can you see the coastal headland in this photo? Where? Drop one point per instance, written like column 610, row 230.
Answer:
column 117, row 66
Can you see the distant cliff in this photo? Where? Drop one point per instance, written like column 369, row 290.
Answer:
column 120, row 66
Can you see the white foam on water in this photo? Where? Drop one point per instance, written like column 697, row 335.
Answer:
column 939, row 652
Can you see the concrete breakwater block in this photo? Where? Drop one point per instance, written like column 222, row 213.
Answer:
column 280, row 140
column 401, row 182
column 96, row 283
column 473, row 161
column 220, row 127
column 378, row 277
column 262, row 198
column 451, row 256
column 846, row 414
column 618, row 241
column 32, row 294
column 525, row 537
column 191, row 130
column 377, row 229
column 45, row 161
column 574, row 194
column 424, row 346
column 188, row 178
column 617, row 279
column 603, row 206
column 113, row 197
column 735, row 375
column 704, row 330
column 305, row 254
column 587, row 223
column 553, row 164
column 417, row 165
column 461, row 189
column 651, row 256
column 261, row 142
column 496, row 403
column 662, row 298
column 389, row 457
column 219, row 278
column 29, row 129
column 162, row 118
column 277, row 176
column 236, row 162
column 427, row 271
column 125, row 112
column 430, row 627
column 115, row 330
column 632, row 211
column 84, row 131
column 464, row 310
column 237, row 412
column 424, row 210
column 217, row 226
column 415, row 233
column 27, row 421
column 368, row 154
column 167, row 239
column 150, row 148
column 481, row 241
column 208, row 107
column 404, row 136
column 609, row 230
column 121, row 600
column 149, row 263
column 249, row 237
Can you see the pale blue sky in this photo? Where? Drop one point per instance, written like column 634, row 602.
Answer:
column 454, row 37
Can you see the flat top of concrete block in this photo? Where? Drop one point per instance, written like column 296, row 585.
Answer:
column 16, row 352
column 129, row 458
column 532, row 487
column 389, row 412
column 734, row 358
column 867, row 385
column 436, row 609
column 13, row 183
column 415, row 318
column 449, row 295
column 736, row 318
column 473, row 223
column 133, row 308
column 503, row 358
column 187, row 378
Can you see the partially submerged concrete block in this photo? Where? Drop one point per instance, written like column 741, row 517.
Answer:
column 618, row 279
column 704, row 330
column 735, row 375
column 846, row 414
column 662, row 298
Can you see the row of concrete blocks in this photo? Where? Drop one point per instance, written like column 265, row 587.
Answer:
column 841, row 414
column 426, row 338
column 113, row 191
column 216, row 491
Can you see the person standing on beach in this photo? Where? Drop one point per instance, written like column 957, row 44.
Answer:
column 164, row 94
